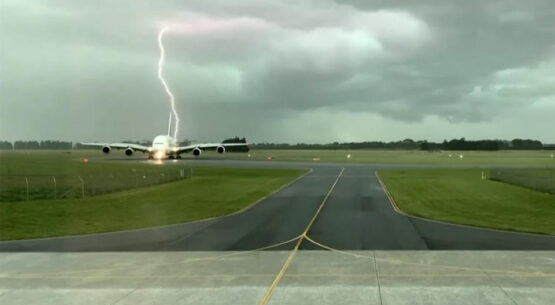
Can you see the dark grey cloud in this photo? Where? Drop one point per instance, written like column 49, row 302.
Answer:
column 278, row 71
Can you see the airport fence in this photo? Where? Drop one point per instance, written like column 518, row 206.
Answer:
column 541, row 179
column 35, row 187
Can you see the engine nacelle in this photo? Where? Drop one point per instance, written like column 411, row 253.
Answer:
column 129, row 151
column 197, row 152
column 106, row 149
column 220, row 149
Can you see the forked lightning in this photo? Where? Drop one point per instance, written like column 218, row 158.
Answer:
column 165, row 146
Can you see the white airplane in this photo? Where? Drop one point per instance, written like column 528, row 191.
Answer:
column 165, row 146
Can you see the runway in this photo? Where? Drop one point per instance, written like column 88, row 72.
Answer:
column 348, row 206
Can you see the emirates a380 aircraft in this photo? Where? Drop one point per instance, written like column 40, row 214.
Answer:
column 165, row 147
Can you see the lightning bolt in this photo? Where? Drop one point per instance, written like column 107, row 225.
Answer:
column 161, row 77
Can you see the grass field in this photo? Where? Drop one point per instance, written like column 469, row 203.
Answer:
column 210, row 192
column 455, row 195
column 145, row 196
column 461, row 196
column 509, row 157
column 58, row 175
column 541, row 179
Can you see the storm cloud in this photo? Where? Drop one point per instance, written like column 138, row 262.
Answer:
column 289, row 71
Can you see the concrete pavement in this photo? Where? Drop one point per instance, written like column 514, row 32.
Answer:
column 314, row 277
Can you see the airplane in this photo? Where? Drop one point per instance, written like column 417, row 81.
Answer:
column 165, row 147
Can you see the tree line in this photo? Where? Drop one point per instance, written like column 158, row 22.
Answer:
column 406, row 144
column 238, row 148
column 47, row 144
column 491, row 145
column 409, row 144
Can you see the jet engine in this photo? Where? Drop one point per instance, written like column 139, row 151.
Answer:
column 197, row 151
column 129, row 151
column 220, row 149
column 106, row 149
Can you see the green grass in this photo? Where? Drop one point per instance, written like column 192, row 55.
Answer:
column 405, row 156
column 541, row 179
column 455, row 195
column 210, row 192
column 25, row 160
column 52, row 162
column 461, row 196
column 58, row 174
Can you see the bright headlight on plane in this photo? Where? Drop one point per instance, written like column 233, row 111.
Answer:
column 159, row 155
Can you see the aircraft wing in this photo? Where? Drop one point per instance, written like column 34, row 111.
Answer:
column 208, row 146
column 136, row 147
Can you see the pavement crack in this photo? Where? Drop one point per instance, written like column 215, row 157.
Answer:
column 500, row 287
column 419, row 233
column 5, row 293
column 377, row 277
column 125, row 296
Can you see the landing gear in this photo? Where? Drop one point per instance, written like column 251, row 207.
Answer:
column 171, row 157
column 178, row 157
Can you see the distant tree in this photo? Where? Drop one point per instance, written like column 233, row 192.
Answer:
column 503, row 144
column 462, row 144
column 408, row 144
column 49, row 144
column 526, row 144
column 5, row 145
column 26, row 145
column 429, row 146
column 78, row 145
column 235, row 140
column 237, row 148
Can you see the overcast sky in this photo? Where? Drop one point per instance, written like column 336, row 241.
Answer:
column 290, row 71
